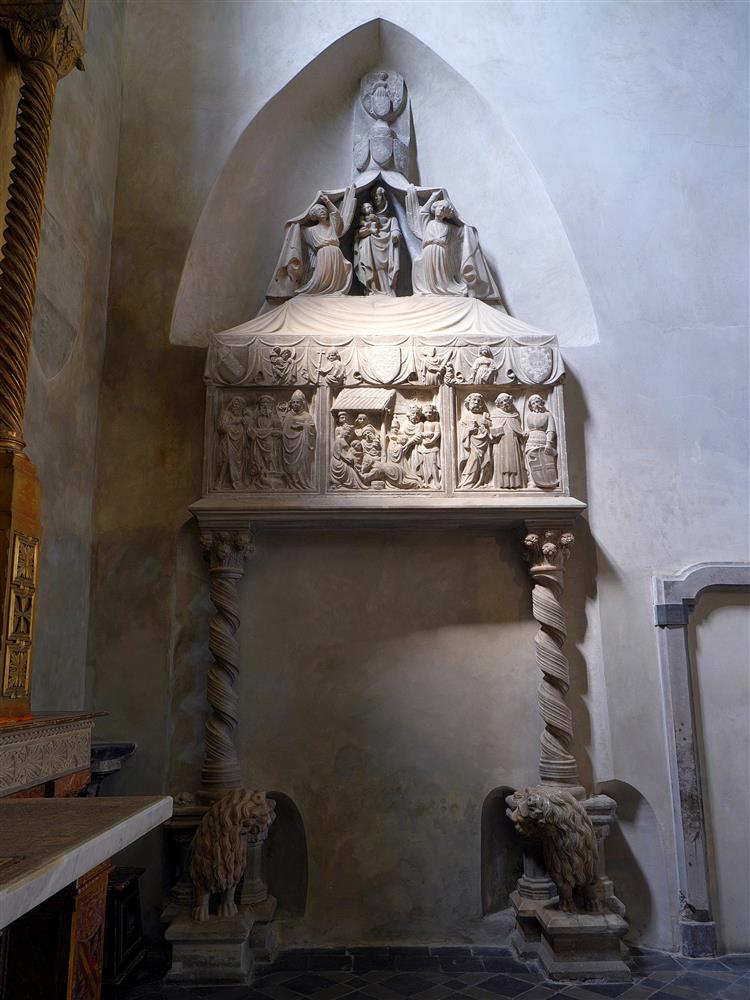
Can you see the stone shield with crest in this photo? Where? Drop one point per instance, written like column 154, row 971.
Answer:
column 536, row 363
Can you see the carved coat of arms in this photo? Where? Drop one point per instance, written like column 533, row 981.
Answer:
column 543, row 467
column 536, row 363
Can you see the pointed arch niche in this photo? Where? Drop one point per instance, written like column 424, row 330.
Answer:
column 301, row 141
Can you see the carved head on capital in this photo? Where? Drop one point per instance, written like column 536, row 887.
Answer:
column 549, row 550
column 227, row 549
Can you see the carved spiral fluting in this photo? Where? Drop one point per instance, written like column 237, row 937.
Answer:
column 221, row 767
column 546, row 556
column 20, row 251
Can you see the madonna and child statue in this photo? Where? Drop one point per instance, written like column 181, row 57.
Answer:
column 380, row 218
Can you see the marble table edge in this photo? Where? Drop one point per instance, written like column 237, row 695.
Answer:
column 28, row 889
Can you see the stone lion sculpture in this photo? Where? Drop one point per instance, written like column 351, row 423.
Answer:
column 553, row 816
column 218, row 852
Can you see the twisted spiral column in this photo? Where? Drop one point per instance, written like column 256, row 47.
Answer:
column 546, row 552
column 48, row 48
column 227, row 551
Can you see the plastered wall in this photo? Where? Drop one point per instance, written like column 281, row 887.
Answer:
column 68, row 351
column 634, row 118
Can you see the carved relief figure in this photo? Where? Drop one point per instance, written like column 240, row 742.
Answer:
column 264, row 432
column 298, row 437
column 383, row 98
column 429, row 447
column 376, row 472
column 553, row 816
column 311, row 261
column 233, row 443
column 218, row 853
column 541, row 444
column 284, row 365
column 451, row 262
column 362, row 425
column 508, row 435
column 412, row 429
column 333, row 370
column 451, row 376
column 342, row 421
column 434, row 366
column 345, row 459
column 396, row 441
column 476, row 443
column 376, row 246
column 484, row 369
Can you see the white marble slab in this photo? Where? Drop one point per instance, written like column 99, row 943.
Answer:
column 45, row 844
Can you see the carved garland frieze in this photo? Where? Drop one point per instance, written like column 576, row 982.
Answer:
column 286, row 359
column 30, row 759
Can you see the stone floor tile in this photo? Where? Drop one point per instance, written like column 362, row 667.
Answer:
column 378, row 991
column 707, row 983
column 502, row 985
column 702, row 964
column 308, row 983
column 538, row 992
column 473, row 978
column 638, row 993
column 649, row 960
column 605, row 989
column 736, row 963
column 409, row 984
column 736, row 991
column 459, row 965
column 681, row 993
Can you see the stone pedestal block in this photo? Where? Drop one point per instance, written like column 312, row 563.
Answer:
column 697, row 938
column 581, row 945
column 213, row 952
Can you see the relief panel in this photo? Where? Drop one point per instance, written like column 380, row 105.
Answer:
column 505, row 440
column 386, row 439
column 264, row 441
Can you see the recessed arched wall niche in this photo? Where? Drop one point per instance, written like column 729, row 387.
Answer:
column 301, row 140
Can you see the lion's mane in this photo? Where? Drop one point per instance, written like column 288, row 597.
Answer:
column 217, row 853
column 555, row 817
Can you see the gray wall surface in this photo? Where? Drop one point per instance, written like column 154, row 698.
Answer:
column 631, row 127
column 70, row 326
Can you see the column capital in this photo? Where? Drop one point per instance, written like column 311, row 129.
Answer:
column 226, row 550
column 546, row 549
column 48, row 31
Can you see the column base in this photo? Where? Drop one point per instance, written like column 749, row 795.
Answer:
column 698, row 938
column 215, row 952
column 582, row 946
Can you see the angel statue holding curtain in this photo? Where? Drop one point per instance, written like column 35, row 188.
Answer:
column 311, row 261
column 451, row 262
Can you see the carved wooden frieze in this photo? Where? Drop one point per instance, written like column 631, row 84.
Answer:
column 333, row 416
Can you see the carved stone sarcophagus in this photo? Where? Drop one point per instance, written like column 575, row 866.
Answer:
column 353, row 404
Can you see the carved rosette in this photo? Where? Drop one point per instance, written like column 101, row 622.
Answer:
column 48, row 48
column 546, row 552
column 226, row 551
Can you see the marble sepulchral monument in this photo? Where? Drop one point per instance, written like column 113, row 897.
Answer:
column 384, row 384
